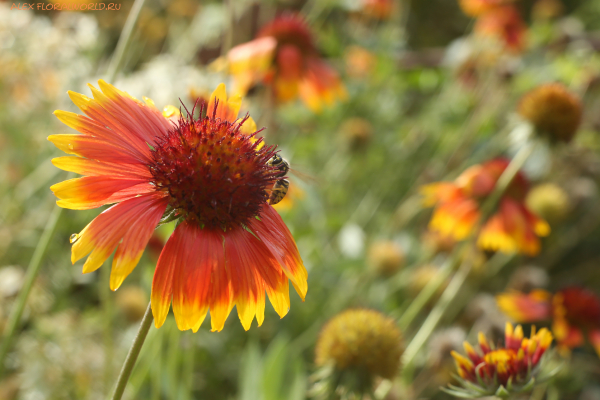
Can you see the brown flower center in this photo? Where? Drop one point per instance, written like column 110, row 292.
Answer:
column 214, row 174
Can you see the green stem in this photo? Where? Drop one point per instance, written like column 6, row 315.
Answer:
column 427, row 293
column 106, row 300
column 124, row 40
column 434, row 316
column 32, row 271
column 133, row 354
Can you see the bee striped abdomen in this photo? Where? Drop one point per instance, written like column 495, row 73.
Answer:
column 280, row 189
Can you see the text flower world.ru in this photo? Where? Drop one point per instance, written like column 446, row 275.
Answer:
column 66, row 6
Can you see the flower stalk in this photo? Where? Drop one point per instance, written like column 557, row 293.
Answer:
column 133, row 354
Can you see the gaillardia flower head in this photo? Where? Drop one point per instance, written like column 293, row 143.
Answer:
column 511, row 228
column 505, row 25
column 355, row 347
column 553, row 111
column 211, row 174
column 284, row 56
column 574, row 311
column 504, row 370
column 475, row 8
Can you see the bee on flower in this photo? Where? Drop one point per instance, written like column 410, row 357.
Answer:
column 511, row 228
column 500, row 371
column 574, row 311
column 211, row 174
column 284, row 57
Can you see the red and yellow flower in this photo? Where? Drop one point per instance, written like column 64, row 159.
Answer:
column 512, row 227
column 504, row 24
column 211, row 174
column 476, row 8
column 284, row 56
column 574, row 311
column 504, row 370
column 378, row 9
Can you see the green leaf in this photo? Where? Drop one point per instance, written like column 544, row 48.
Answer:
column 250, row 373
column 529, row 385
column 502, row 392
column 298, row 382
column 458, row 393
column 276, row 364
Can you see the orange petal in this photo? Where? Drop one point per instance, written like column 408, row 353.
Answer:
column 172, row 257
column 135, row 240
column 276, row 236
column 139, row 119
column 84, row 166
column 594, row 336
column 252, row 268
column 101, row 127
column 221, row 298
column 254, row 57
column 522, row 307
column 192, row 280
column 104, row 233
column 95, row 148
column 321, row 85
column 94, row 191
column 220, row 107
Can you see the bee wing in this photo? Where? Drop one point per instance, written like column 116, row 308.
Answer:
column 304, row 177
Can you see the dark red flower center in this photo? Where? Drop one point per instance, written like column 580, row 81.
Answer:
column 214, row 174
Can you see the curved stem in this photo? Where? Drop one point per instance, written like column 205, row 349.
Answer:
column 124, row 40
column 427, row 293
column 32, row 271
column 435, row 315
column 133, row 354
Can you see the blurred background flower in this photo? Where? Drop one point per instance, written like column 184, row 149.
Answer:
column 355, row 347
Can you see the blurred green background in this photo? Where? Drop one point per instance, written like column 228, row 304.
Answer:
column 417, row 113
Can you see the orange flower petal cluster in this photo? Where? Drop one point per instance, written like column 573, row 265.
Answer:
column 212, row 174
column 574, row 311
column 476, row 8
column 284, row 56
column 378, row 9
column 499, row 19
column 513, row 364
column 504, row 23
column 512, row 228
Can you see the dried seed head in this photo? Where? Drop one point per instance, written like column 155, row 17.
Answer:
column 553, row 111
